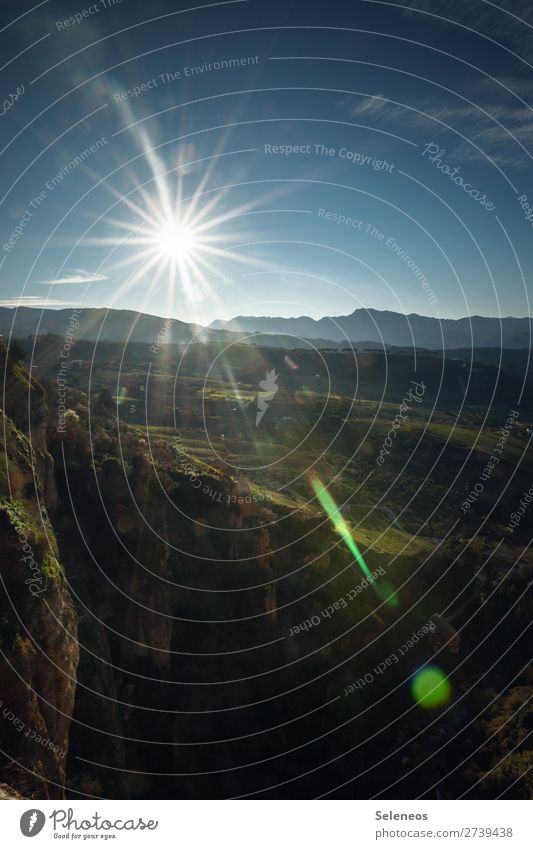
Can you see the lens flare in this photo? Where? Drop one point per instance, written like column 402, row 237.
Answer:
column 431, row 688
column 340, row 525
column 385, row 591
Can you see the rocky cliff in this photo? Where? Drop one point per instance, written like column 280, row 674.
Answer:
column 38, row 624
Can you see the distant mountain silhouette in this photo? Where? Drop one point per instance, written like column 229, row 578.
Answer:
column 121, row 325
column 375, row 327
column 391, row 328
column 102, row 324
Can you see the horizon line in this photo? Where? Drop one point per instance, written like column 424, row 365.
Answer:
column 63, row 308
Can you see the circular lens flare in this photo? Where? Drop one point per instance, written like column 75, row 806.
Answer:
column 431, row 688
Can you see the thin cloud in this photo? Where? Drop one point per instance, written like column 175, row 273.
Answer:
column 375, row 105
column 498, row 141
column 75, row 277
column 498, row 127
column 511, row 13
column 32, row 301
column 508, row 22
column 371, row 105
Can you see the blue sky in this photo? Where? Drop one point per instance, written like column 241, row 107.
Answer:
column 318, row 155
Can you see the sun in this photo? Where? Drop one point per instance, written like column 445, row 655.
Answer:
column 176, row 241
column 168, row 239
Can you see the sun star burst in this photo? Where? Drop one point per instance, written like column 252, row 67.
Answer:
column 164, row 239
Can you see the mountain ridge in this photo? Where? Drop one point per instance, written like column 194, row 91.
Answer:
column 381, row 327
column 392, row 328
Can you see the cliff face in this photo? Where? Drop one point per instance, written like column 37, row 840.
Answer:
column 38, row 624
column 138, row 606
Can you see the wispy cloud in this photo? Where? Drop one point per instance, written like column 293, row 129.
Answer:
column 497, row 133
column 509, row 22
column 375, row 105
column 32, row 301
column 495, row 125
column 512, row 13
column 74, row 277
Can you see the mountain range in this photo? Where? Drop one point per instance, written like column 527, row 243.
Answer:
column 362, row 327
column 392, row 328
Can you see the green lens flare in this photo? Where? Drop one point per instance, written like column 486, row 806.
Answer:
column 387, row 593
column 121, row 395
column 384, row 589
column 431, row 688
column 340, row 525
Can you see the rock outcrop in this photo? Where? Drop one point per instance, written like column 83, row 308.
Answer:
column 38, row 623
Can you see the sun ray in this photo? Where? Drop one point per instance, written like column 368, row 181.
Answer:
column 186, row 237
